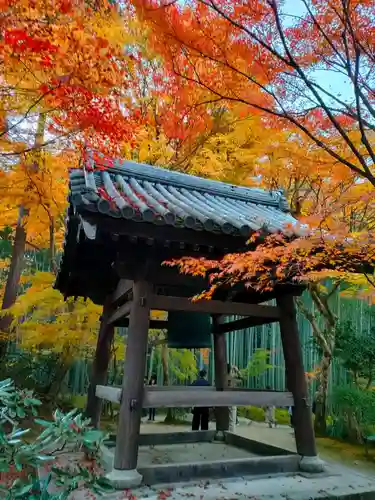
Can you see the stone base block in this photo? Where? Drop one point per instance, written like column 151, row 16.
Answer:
column 311, row 465
column 220, row 436
column 123, row 479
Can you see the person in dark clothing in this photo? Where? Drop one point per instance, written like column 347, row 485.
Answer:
column 200, row 414
column 144, row 410
column 152, row 411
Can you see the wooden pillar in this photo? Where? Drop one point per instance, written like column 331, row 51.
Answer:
column 295, row 378
column 126, row 453
column 221, row 379
column 100, row 365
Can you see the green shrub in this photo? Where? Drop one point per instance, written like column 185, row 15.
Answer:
column 25, row 458
column 256, row 414
column 282, row 416
column 353, row 413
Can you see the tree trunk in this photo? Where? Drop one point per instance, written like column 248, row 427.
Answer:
column 320, row 423
column 18, row 252
column 164, row 362
column 325, row 338
column 13, row 279
column 52, row 246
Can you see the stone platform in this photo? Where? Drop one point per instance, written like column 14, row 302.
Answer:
column 350, row 481
column 182, row 456
column 338, row 481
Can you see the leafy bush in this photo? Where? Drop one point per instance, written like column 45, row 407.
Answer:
column 15, row 404
column 356, row 350
column 353, row 413
column 65, row 432
column 256, row 414
column 43, row 372
column 257, row 365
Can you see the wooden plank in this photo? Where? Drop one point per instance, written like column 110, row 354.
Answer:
column 124, row 287
column 113, row 393
column 176, row 398
column 168, row 303
column 129, row 423
column 120, row 312
column 186, row 388
column 109, row 393
column 185, row 397
column 241, row 324
column 296, row 378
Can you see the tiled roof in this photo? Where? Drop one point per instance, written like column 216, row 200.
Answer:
column 155, row 195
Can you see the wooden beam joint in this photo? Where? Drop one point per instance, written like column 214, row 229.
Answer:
column 123, row 292
column 120, row 312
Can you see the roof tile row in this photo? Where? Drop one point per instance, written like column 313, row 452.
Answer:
column 159, row 196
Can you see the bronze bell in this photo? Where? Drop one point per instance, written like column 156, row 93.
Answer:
column 189, row 330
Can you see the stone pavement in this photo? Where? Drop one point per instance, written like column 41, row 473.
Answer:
column 256, row 488
column 338, row 483
column 281, row 436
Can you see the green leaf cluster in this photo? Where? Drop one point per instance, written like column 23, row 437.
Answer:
column 15, row 404
column 356, row 350
column 65, row 432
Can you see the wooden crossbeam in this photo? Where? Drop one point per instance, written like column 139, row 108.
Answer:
column 159, row 275
column 155, row 324
column 241, row 324
column 168, row 303
column 121, row 312
column 179, row 397
column 124, row 287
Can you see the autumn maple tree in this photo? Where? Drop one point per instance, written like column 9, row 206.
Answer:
column 262, row 55
column 271, row 66
column 64, row 83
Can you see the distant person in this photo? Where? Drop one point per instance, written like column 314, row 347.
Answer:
column 144, row 410
column 200, row 414
column 152, row 411
column 269, row 413
column 234, row 379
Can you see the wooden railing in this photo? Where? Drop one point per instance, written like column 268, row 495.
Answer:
column 185, row 397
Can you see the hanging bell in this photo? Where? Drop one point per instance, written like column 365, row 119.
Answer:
column 189, row 330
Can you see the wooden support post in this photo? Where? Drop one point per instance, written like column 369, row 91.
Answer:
column 100, row 366
column 221, row 379
column 126, row 454
column 296, row 383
